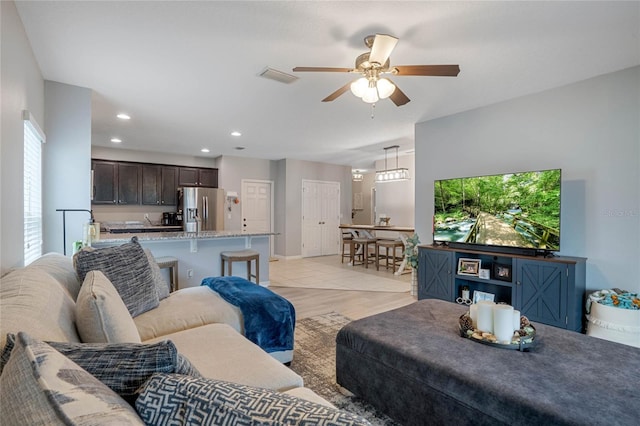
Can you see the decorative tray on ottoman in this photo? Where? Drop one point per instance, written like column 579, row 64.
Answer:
column 522, row 339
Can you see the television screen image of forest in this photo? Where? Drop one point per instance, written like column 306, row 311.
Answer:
column 515, row 210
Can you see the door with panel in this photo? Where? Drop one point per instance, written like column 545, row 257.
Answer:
column 320, row 218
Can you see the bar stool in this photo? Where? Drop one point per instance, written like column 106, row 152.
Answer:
column 241, row 256
column 363, row 241
column 171, row 263
column 346, row 241
column 392, row 245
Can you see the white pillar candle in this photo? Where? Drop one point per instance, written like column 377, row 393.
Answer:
column 516, row 320
column 503, row 323
column 473, row 313
column 485, row 316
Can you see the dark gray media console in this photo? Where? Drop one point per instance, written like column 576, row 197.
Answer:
column 548, row 290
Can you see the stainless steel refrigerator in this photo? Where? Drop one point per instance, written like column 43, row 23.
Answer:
column 201, row 208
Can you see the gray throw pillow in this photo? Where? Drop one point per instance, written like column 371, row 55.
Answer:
column 40, row 386
column 173, row 399
column 162, row 287
column 128, row 269
column 123, row 367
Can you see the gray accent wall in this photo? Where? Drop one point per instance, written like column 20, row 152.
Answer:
column 22, row 88
column 590, row 129
column 66, row 170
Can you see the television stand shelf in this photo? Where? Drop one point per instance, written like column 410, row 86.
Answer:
column 548, row 290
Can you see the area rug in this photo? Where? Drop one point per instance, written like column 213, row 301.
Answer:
column 314, row 358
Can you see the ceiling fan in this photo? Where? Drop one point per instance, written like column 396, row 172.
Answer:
column 373, row 65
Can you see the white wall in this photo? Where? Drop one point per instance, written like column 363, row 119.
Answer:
column 590, row 129
column 231, row 172
column 66, row 170
column 291, row 209
column 22, row 88
column 397, row 199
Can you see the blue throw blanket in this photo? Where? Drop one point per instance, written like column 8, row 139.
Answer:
column 269, row 319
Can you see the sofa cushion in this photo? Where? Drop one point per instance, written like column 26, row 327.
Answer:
column 219, row 352
column 309, row 395
column 162, row 287
column 61, row 268
column 188, row 308
column 124, row 367
column 127, row 267
column 172, row 399
column 39, row 385
column 101, row 315
column 31, row 300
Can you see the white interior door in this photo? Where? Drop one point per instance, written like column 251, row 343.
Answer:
column 320, row 218
column 257, row 206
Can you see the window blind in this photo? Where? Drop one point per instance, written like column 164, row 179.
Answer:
column 33, row 140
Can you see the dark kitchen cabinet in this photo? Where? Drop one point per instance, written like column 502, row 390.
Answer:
column 105, row 182
column 194, row 176
column 129, row 179
column 546, row 290
column 115, row 182
column 159, row 185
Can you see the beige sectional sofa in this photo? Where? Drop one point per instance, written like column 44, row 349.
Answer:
column 43, row 300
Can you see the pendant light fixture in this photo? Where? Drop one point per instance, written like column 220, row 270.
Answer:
column 392, row 175
column 357, row 176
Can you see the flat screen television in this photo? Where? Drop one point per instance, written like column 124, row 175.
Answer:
column 512, row 212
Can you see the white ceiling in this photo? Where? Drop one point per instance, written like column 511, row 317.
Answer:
column 188, row 72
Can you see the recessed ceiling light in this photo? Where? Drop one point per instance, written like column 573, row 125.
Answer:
column 239, row 148
column 123, row 116
column 204, row 150
column 236, row 133
column 116, row 140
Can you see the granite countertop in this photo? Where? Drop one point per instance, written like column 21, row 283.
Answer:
column 108, row 238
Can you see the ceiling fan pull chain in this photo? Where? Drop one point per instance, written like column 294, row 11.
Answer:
column 373, row 110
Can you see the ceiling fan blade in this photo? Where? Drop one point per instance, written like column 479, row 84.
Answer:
column 382, row 47
column 337, row 93
column 433, row 70
column 398, row 97
column 321, row 69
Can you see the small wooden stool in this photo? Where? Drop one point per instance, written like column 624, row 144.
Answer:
column 172, row 264
column 241, row 256
column 388, row 244
column 364, row 242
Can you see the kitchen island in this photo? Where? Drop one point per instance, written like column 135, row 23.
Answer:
column 198, row 253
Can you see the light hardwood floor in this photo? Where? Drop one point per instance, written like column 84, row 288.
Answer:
column 310, row 302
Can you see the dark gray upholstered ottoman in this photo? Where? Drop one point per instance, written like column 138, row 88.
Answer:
column 412, row 364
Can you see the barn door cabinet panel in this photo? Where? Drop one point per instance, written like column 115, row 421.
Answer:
column 546, row 290
column 435, row 274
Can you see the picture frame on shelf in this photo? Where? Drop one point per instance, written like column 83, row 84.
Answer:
column 469, row 266
column 479, row 296
column 501, row 272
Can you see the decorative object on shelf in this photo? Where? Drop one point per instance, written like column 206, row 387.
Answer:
column 481, row 295
column 464, row 299
column 522, row 339
column 392, row 175
column 501, row 272
column 384, row 220
column 469, row 267
column 485, row 274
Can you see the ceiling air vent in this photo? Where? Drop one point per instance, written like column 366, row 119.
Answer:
column 276, row 75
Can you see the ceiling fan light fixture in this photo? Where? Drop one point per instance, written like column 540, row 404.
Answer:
column 371, row 94
column 359, row 86
column 385, row 88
